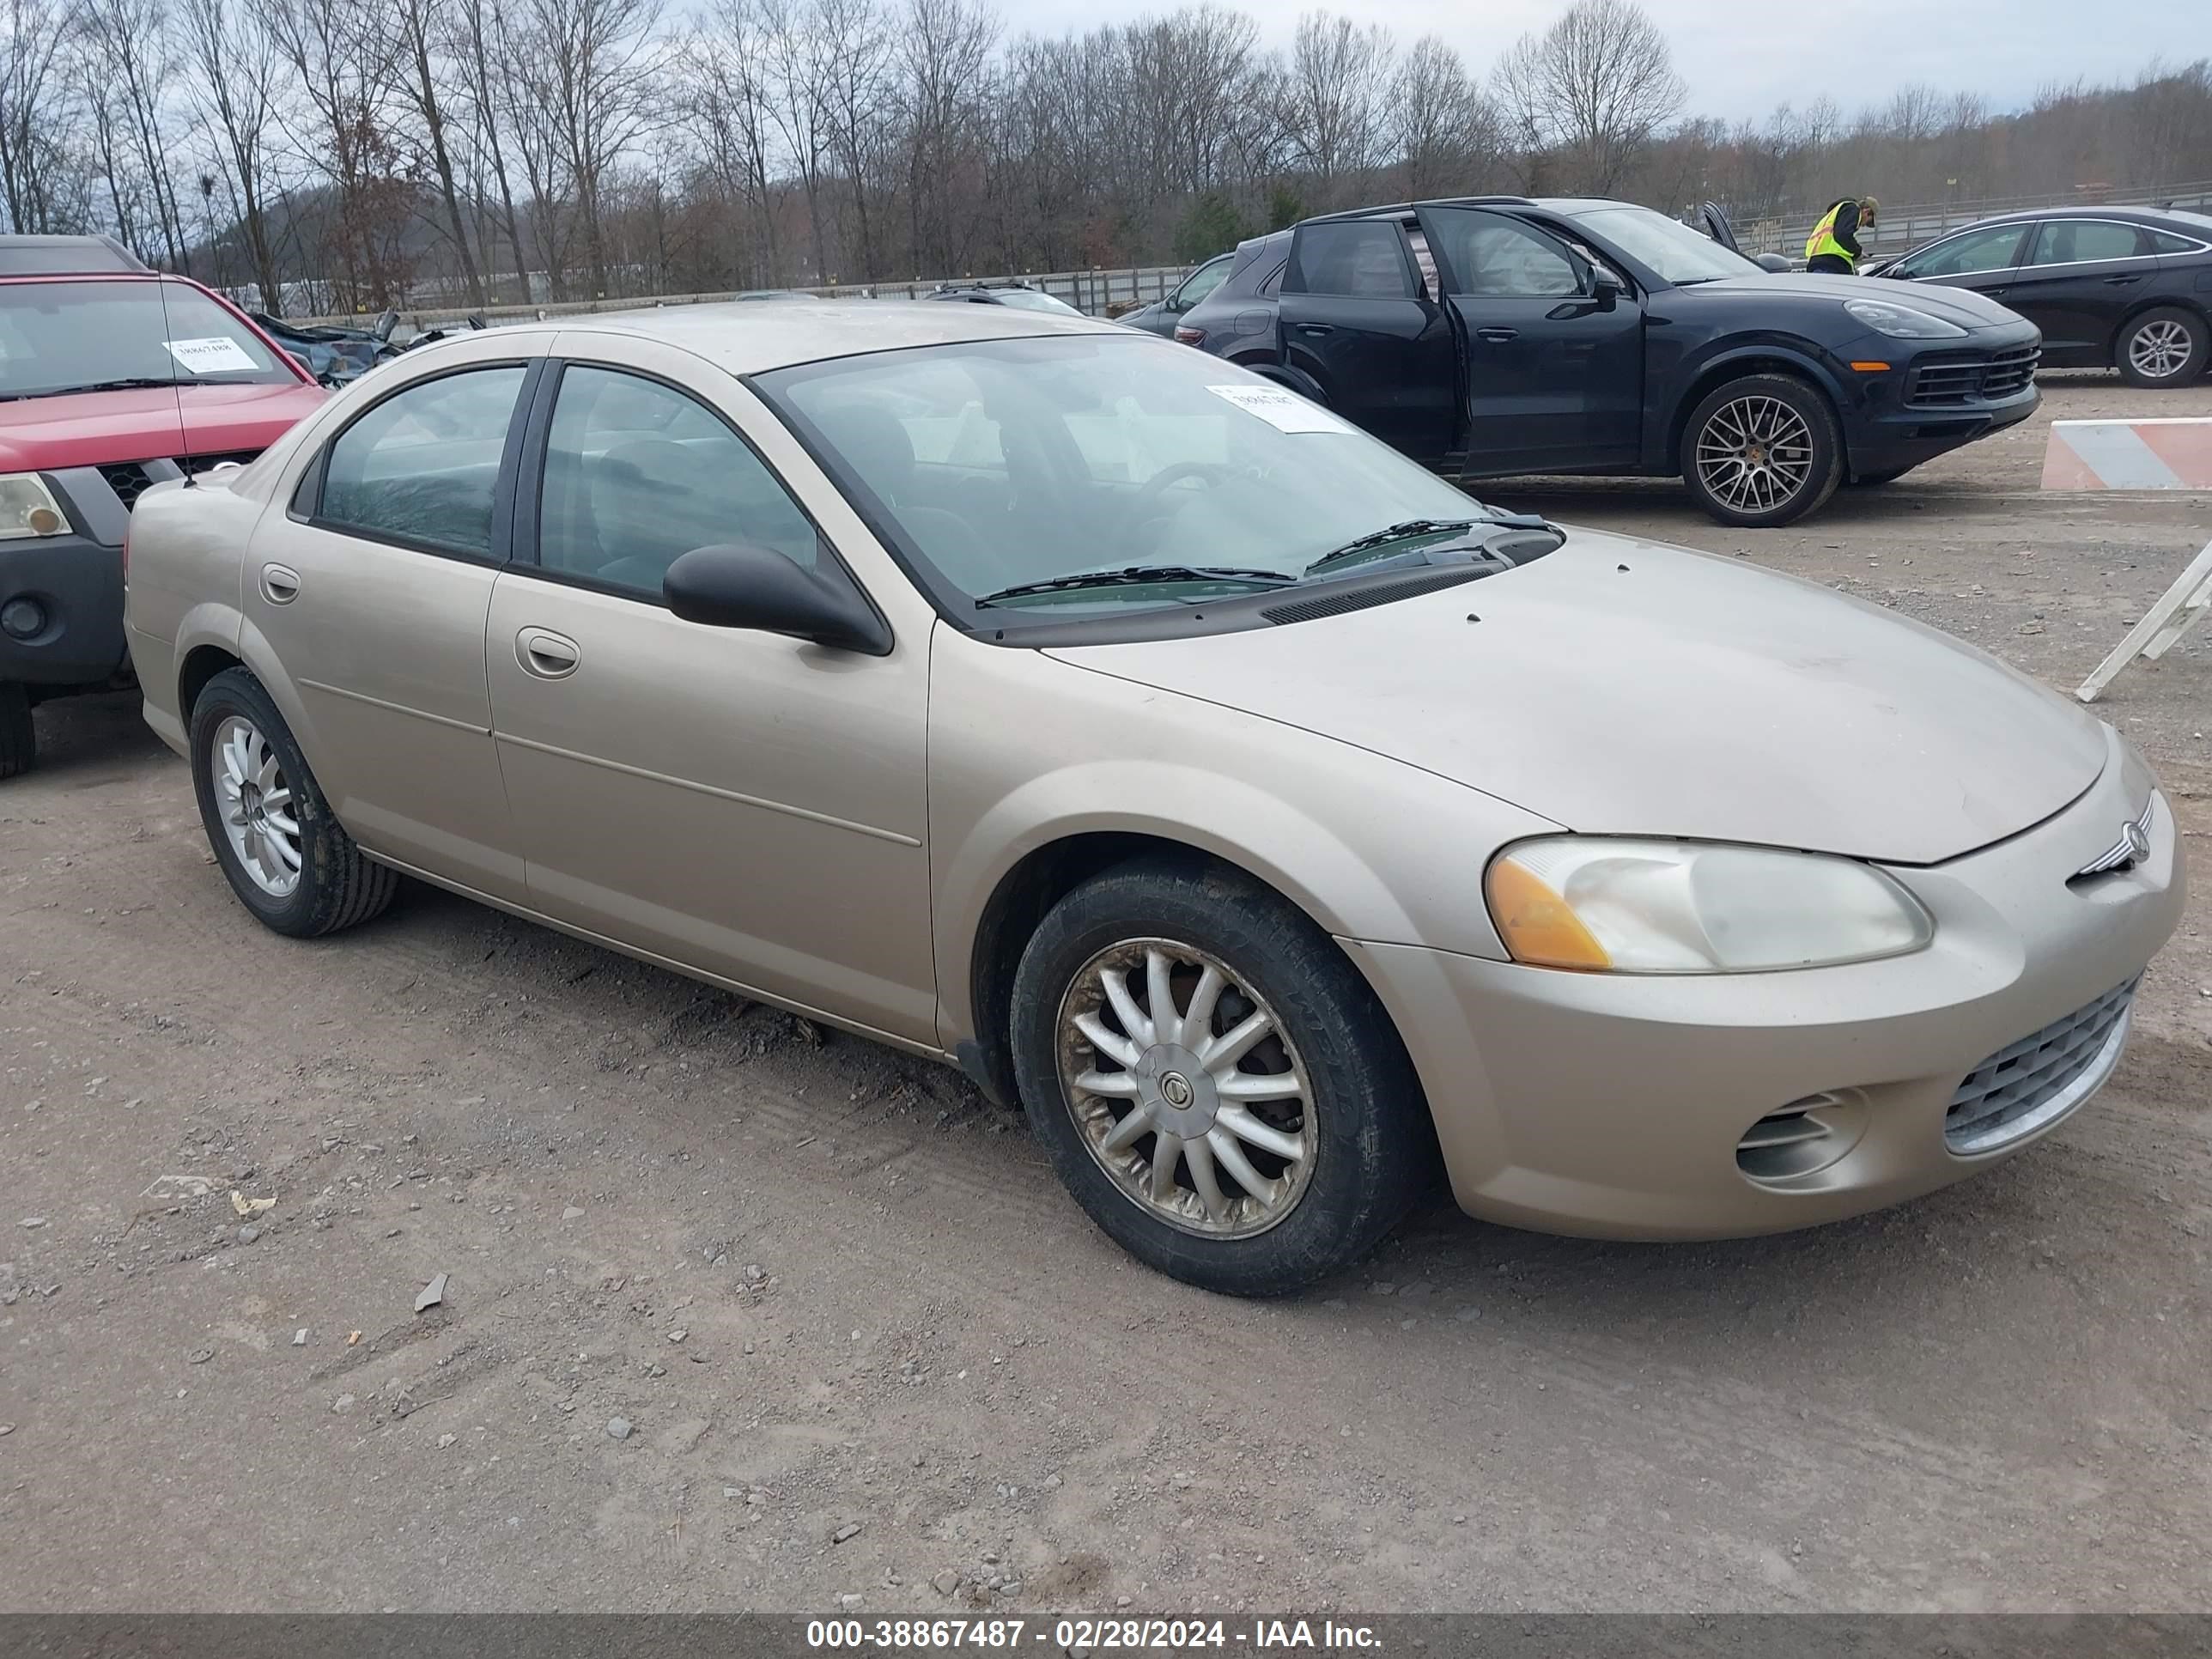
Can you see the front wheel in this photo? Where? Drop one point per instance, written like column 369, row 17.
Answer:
column 19, row 742
column 1762, row 452
column 1871, row 480
column 1216, row 1084
column 2163, row 348
column 287, row 857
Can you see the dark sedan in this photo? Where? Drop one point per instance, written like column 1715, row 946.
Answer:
column 1162, row 316
column 2127, row 288
column 1493, row 336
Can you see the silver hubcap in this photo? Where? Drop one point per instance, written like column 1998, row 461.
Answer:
column 1186, row 1088
column 1754, row 454
column 255, row 799
column 2159, row 348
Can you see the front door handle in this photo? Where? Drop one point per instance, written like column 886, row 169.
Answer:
column 548, row 656
column 1498, row 336
column 1315, row 328
column 280, row 584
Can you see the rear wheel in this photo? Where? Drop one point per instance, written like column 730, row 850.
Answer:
column 1762, row 451
column 2163, row 348
column 287, row 857
column 1216, row 1084
column 19, row 742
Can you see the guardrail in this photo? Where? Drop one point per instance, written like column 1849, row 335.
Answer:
column 1092, row 292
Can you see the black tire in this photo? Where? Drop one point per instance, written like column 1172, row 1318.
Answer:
column 2150, row 339
column 337, row 886
column 1871, row 480
column 1372, row 1144
column 1823, row 439
column 19, row 741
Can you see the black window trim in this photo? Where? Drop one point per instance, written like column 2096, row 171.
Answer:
column 527, row 505
column 305, row 505
column 1293, row 264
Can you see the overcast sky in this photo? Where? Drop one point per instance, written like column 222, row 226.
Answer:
column 1741, row 57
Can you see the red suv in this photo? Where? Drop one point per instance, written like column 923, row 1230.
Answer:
column 113, row 378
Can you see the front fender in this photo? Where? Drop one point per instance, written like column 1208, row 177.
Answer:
column 1751, row 354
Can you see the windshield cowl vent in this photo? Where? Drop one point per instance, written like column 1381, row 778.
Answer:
column 1359, row 599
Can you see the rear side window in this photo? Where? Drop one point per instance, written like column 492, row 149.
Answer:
column 422, row 466
column 2071, row 241
column 1363, row 257
column 2165, row 241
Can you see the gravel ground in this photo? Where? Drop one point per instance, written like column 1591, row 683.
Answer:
column 739, row 1315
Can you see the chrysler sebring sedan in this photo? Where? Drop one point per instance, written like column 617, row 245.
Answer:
column 1275, row 823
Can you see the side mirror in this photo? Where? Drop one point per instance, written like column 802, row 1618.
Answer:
column 1607, row 291
column 1773, row 262
column 741, row 585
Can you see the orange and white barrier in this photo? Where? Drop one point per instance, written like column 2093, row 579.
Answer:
column 2170, row 453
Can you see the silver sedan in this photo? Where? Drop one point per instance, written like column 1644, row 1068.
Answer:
column 1273, row 822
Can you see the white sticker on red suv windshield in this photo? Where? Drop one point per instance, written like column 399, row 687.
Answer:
column 213, row 355
column 1280, row 408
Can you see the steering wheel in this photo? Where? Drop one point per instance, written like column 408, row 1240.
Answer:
column 1145, row 506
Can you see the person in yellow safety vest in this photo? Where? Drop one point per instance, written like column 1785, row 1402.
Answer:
column 1834, row 244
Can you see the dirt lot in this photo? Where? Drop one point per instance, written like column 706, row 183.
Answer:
column 864, row 1346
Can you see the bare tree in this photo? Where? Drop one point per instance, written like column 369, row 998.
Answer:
column 944, row 60
column 1448, row 135
column 729, row 103
column 35, row 112
column 472, row 46
column 1334, row 110
column 125, row 41
column 1595, row 88
column 424, row 27
column 234, row 89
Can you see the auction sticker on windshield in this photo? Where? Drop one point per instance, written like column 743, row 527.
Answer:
column 1280, row 408
column 211, row 356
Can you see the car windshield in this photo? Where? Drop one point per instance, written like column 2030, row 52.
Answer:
column 1674, row 250
column 67, row 336
column 1001, row 463
column 1028, row 299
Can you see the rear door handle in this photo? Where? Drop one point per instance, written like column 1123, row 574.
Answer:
column 2122, row 282
column 548, row 656
column 1498, row 336
column 1315, row 328
column 280, row 584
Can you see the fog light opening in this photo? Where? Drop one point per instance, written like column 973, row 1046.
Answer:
column 1804, row 1138
column 22, row 619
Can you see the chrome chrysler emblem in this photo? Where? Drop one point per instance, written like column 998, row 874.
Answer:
column 2130, row 849
column 2138, row 842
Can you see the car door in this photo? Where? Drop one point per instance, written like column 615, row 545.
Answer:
column 1355, row 316
column 2079, row 278
column 741, row 804
column 1554, row 359
column 1162, row 317
column 1985, row 259
column 371, row 592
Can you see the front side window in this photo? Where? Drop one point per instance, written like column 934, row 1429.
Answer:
column 1203, row 281
column 637, row 474
column 1491, row 254
column 997, row 462
column 1995, row 249
column 77, row 336
column 1363, row 257
column 421, row 467
column 2075, row 241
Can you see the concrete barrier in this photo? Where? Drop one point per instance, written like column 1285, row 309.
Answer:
column 2170, row 453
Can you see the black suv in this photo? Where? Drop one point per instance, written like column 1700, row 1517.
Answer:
column 2131, row 288
column 1494, row 335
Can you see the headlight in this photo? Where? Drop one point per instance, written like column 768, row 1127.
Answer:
column 1679, row 907
column 1902, row 322
column 27, row 507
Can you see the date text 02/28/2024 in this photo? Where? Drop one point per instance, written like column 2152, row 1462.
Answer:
column 1122, row 1635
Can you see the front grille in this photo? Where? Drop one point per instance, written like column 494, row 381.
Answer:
column 2035, row 1081
column 1959, row 380
column 132, row 479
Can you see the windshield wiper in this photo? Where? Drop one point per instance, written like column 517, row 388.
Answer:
column 1405, row 530
column 1135, row 575
column 130, row 384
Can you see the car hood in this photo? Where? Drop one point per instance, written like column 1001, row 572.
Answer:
column 1954, row 305
column 1621, row 687
column 96, row 429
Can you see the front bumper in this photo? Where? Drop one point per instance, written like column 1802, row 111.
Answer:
column 1613, row 1106
column 75, row 585
column 1892, row 426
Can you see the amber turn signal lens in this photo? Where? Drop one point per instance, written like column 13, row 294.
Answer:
column 1871, row 369
column 1536, row 923
column 42, row 521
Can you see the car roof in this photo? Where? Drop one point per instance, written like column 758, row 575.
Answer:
column 68, row 256
column 2124, row 214
column 753, row 339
